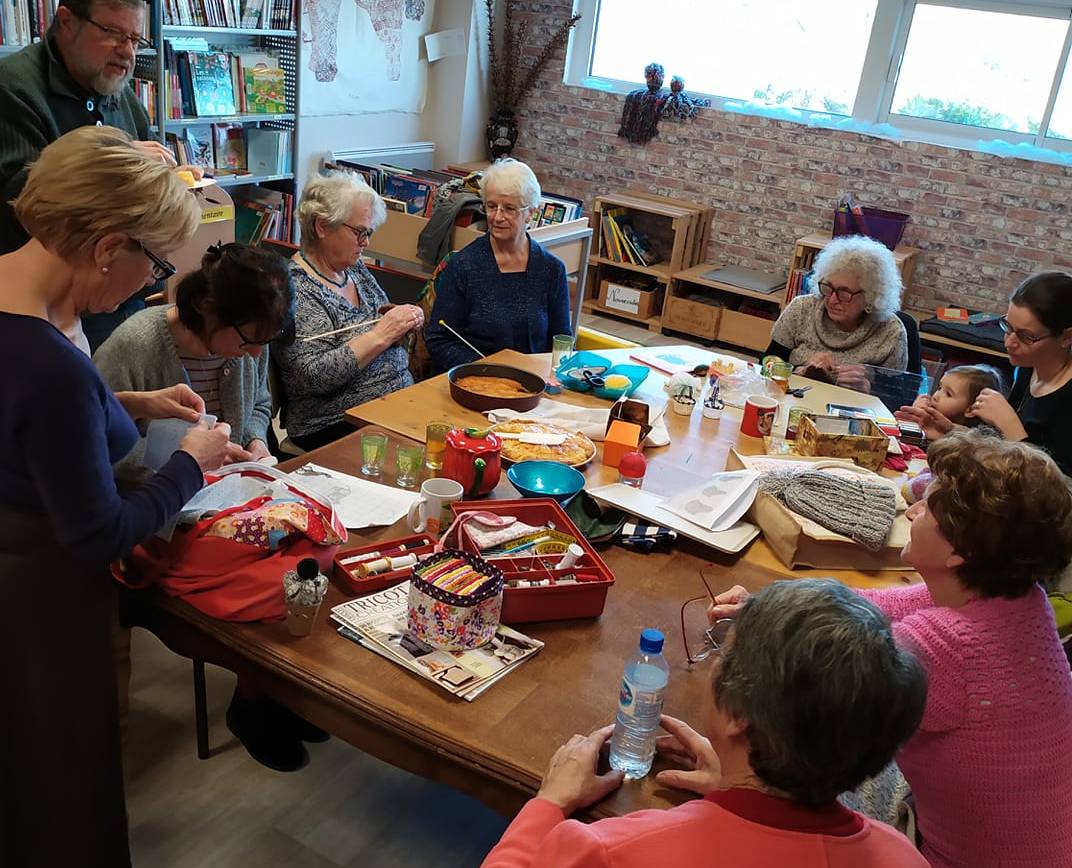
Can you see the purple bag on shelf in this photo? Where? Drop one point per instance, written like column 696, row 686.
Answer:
column 884, row 226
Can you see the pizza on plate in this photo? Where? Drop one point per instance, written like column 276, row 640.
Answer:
column 575, row 450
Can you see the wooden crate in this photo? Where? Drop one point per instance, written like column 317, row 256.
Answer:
column 692, row 317
column 745, row 330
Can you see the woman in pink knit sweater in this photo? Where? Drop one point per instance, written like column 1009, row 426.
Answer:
column 809, row 697
column 991, row 765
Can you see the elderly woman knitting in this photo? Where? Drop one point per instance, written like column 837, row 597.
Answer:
column 852, row 321
column 808, row 696
column 503, row 291
column 333, row 289
column 990, row 765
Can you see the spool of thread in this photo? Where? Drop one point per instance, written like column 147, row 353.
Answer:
column 573, row 554
column 386, row 565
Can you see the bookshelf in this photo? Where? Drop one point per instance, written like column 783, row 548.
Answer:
column 283, row 43
column 673, row 233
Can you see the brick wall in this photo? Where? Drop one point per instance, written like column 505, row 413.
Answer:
column 982, row 222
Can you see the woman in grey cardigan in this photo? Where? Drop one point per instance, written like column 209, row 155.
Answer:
column 852, row 321
column 215, row 338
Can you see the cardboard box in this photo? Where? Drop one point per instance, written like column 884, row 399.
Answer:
column 858, row 440
column 621, row 437
column 637, row 301
column 745, row 330
column 801, row 542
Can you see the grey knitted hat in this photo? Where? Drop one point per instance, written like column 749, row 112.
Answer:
column 857, row 508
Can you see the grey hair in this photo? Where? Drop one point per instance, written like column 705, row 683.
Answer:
column 331, row 198
column 828, row 696
column 870, row 262
column 513, row 178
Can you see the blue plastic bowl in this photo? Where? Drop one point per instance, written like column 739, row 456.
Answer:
column 602, row 366
column 545, row 479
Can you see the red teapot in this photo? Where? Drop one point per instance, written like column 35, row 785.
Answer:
column 472, row 459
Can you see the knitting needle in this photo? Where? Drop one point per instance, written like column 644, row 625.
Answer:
column 463, row 340
column 339, row 331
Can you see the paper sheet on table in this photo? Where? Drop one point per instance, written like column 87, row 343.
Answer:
column 717, row 503
column 358, row 502
column 590, row 421
column 445, row 43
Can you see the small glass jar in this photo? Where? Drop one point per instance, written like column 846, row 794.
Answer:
column 631, row 469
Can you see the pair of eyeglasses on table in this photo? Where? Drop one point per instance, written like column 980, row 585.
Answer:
column 713, row 637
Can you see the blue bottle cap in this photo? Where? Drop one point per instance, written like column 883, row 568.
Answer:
column 651, row 641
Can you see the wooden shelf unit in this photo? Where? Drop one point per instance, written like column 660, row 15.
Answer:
column 742, row 328
column 680, row 231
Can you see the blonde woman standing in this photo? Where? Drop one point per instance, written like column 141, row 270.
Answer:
column 62, row 519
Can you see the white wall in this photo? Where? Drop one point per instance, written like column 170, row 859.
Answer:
column 455, row 110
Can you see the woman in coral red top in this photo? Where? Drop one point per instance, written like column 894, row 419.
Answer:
column 991, row 766
column 809, row 697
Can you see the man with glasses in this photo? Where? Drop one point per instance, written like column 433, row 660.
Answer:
column 77, row 76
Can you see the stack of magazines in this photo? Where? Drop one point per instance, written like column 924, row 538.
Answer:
column 378, row 622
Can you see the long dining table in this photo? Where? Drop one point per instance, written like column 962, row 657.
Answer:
column 496, row 748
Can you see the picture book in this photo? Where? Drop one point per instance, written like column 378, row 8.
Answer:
column 230, row 146
column 264, row 85
column 416, row 194
column 199, row 150
column 213, row 90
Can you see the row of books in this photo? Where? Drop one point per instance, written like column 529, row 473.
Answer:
column 262, row 213
column 25, row 21
column 266, row 14
column 216, row 83
column 411, row 190
column 145, row 90
column 234, row 148
column 623, row 242
column 414, row 191
column 797, row 283
column 554, row 209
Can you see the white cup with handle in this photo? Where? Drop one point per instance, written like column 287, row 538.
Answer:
column 430, row 513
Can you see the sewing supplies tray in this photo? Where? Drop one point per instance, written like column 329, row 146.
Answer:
column 550, row 602
column 346, row 563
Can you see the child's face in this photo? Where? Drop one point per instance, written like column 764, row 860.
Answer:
column 952, row 399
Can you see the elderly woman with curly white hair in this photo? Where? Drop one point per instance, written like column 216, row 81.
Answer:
column 502, row 291
column 334, row 290
column 852, row 321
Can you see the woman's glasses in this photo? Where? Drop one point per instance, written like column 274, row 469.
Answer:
column 249, row 342
column 713, row 637
column 843, row 295
column 1023, row 337
column 360, row 232
column 162, row 269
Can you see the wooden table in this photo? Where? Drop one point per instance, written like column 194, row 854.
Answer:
column 698, row 447
column 497, row 747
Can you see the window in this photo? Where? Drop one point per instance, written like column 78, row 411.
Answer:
column 984, row 69
column 946, row 71
column 780, row 52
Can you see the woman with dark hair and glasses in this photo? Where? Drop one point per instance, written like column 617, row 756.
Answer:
column 1038, row 339
column 851, row 320
column 349, row 348
column 809, row 696
column 214, row 338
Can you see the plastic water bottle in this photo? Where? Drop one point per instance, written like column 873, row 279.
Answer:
column 632, row 747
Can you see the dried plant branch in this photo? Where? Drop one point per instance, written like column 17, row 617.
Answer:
column 557, row 41
column 511, row 54
column 494, row 73
column 520, row 42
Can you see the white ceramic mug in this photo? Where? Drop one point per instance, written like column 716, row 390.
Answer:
column 431, row 513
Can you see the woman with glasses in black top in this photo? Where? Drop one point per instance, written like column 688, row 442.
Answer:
column 1038, row 338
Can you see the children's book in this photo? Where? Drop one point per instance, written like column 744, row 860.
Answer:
column 210, row 74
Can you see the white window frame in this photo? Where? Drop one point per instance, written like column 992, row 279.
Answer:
column 878, row 78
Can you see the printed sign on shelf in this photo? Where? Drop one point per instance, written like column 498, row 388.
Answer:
column 623, row 298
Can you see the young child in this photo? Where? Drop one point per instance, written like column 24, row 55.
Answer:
column 954, row 396
column 958, row 390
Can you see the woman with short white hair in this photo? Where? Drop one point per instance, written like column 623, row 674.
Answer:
column 852, row 320
column 502, row 291
column 333, row 289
